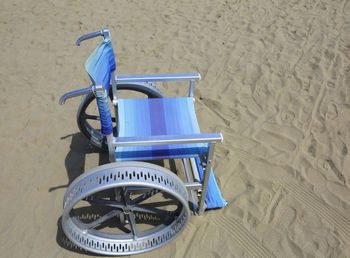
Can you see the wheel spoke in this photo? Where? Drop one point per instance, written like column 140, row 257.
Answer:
column 117, row 194
column 133, row 224
column 125, row 196
column 102, row 219
column 151, row 210
column 95, row 117
column 144, row 196
column 91, row 117
column 162, row 203
column 107, row 203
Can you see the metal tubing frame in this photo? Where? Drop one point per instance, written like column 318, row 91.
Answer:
column 196, row 177
column 125, row 79
column 135, row 78
column 114, row 89
column 131, row 78
column 211, row 139
column 167, row 139
column 194, row 185
column 191, row 88
column 190, row 185
column 207, row 170
column 111, row 149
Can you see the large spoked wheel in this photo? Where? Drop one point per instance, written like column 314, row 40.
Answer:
column 88, row 118
column 125, row 208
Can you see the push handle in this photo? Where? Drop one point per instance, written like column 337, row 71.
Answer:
column 75, row 93
column 104, row 33
column 88, row 36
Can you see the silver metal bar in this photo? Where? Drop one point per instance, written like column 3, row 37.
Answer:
column 114, row 89
column 168, row 139
column 75, row 93
column 128, row 78
column 193, row 186
column 102, row 219
column 186, row 170
column 206, row 177
column 97, row 88
column 191, row 88
column 106, row 34
column 190, row 185
column 196, row 177
column 111, row 149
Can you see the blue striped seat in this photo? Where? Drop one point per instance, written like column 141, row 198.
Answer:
column 158, row 116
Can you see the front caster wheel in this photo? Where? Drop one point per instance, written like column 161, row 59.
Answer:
column 125, row 208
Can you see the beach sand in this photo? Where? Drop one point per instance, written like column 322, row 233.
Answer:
column 275, row 82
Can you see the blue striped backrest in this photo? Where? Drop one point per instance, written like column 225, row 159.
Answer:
column 99, row 66
column 101, row 63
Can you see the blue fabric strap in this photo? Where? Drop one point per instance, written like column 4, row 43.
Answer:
column 104, row 111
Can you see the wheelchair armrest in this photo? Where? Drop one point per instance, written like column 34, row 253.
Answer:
column 167, row 139
column 191, row 77
column 126, row 78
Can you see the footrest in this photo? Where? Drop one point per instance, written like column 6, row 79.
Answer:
column 214, row 199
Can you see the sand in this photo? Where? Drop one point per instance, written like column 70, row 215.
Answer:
column 276, row 83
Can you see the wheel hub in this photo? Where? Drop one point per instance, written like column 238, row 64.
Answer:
column 127, row 210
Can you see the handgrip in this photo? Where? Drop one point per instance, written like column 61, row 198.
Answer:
column 88, row 36
column 75, row 93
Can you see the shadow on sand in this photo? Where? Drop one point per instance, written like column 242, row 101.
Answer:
column 75, row 159
column 75, row 166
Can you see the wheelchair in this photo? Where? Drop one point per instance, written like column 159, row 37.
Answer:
column 132, row 205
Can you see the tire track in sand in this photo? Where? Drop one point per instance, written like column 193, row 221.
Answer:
column 318, row 206
column 307, row 198
column 243, row 237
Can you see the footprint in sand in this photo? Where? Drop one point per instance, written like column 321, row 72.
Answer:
column 287, row 116
column 312, row 148
column 286, row 218
column 332, row 111
column 317, row 127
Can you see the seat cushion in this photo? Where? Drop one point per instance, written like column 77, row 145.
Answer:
column 158, row 116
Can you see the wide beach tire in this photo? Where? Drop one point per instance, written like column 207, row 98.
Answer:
column 125, row 208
